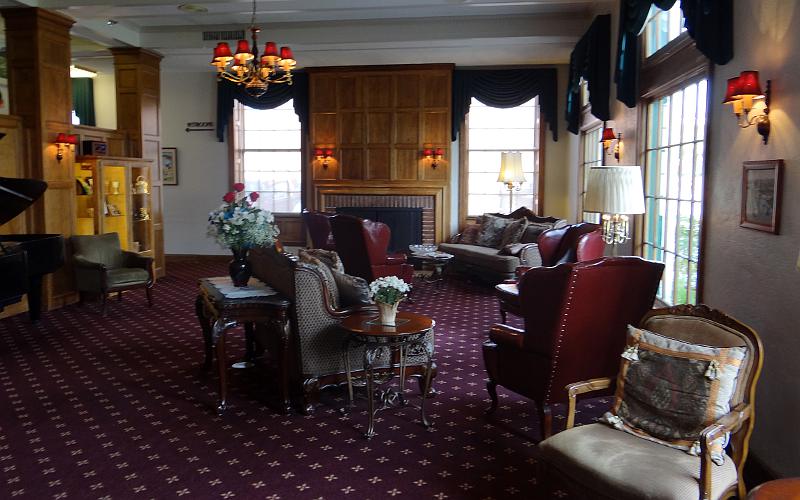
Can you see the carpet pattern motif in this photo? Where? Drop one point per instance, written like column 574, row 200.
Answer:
column 117, row 407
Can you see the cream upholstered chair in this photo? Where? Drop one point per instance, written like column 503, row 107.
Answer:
column 601, row 462
column 317, row 340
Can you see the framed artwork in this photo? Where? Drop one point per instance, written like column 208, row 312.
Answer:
column 762, row 183
column 169, row 166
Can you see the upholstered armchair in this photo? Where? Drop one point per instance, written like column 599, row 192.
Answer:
column 362, row 245
column 319, row 229
column 573, row 243
column 631, row 467
column 575, row 326
column 317, row 340
column 102, row 267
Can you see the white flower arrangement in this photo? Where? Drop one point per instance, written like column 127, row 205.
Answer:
column 388, row 290
column 238, row 225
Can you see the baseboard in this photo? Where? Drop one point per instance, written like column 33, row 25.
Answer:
column 189, row 258
column 757, row 472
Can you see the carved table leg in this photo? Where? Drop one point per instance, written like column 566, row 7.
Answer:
column 284, row 330
column 199, row 309
column 428, row 371
column 369, row 359
column 218, row 335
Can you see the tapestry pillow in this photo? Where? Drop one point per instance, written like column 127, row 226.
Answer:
column 491, row 232
column 327, row 276
column 469, row 236
column 668, row 390
column 353, row 290
column 533, row 230
column 512, row 249
column 327, row 257
column 513, row 232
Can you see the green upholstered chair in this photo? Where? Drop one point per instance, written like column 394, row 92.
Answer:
column 102, row 267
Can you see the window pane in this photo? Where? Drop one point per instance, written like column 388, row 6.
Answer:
column 663, row 27
column 271, row 158
column 492, row 131
column 674, row 164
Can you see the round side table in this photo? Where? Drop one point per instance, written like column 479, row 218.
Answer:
column 406, row 338
column 779, row 489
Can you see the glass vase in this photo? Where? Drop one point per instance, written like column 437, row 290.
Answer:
column 239, row 267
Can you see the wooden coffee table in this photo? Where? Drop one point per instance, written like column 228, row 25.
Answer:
column 406, row 338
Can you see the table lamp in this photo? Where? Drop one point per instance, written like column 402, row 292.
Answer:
column 615, row 192
column 511, row 174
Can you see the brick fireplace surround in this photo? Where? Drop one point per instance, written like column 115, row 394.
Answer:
column 426, row 202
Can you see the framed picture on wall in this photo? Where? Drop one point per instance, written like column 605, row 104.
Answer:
column 169, row 166
column 762, row 183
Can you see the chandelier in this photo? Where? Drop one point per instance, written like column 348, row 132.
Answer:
column 248, row 69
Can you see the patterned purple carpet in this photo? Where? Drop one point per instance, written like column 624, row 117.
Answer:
column 117, row 407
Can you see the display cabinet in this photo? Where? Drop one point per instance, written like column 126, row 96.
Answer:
column 113, row 195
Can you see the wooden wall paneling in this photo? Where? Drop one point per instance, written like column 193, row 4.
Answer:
column 138, row 75
column 351, row 128
column 378, row 163
column 351, row 165
column 406, row 128
column 379, row 128
column 12, row 164
column 406, row 163
column 407, row 90
column 291, row 229
column 323, row 129
column 40, row 94
column 379, row 91
column 348, row 92
column 322, row 93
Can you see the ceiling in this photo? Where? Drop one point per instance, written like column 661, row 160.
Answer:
column 336, row 32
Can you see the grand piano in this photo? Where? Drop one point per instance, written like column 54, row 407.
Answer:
column 25, row 258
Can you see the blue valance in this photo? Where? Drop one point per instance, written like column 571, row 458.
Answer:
column 505, row 88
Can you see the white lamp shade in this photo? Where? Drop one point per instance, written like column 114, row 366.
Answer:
column 614, row 190
column 511, row 168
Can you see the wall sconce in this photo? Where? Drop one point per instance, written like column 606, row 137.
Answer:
column 742, row 91
column 324, row 156
column 435, row 155
column 608, row 137
column 64, row 141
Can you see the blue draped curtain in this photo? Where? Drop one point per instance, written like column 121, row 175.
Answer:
column 590, row 60
column 505, row 89
column 709, row 23
column 276, row 95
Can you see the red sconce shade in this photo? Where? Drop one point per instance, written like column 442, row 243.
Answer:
column 749, row 85
column 72, row 139
column 61, row 138
column 608, row 135
column 328, row 152
column 439, row 152
column 427, row 153
column 318, row 153
column 732, row 93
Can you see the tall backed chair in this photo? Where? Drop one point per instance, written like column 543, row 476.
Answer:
column 362, row 244
column 576, row 317
column 632, row 467
column 316, row 340
column 574, row 243
column 102, row 267
column 319, row 229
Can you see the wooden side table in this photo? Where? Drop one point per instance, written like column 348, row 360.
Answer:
column 406, row 338
column 779, row 489
column 218, row 313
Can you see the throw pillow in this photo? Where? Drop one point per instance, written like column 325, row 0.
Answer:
column 533, row 231
column 491, row 232
column 353, row 290
column 328, row 257
column 513, row 232
column 326, row 275
column 512, row 249
column 668, row 390
column 469, row 236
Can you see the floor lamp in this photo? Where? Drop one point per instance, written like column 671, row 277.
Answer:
column 615, row 192
column 511, row 174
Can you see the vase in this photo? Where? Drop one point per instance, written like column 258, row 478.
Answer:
column 387, row 313
column 239, row 267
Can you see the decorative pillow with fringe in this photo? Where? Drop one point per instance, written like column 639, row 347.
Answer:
column 669, row 390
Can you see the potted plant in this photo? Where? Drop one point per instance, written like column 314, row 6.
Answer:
column 387, row 292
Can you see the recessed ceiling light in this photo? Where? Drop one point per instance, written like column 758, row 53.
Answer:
column 81, row 72
column 111, row 22
column 190, row 7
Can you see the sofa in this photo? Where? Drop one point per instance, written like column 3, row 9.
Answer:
column 495, row 261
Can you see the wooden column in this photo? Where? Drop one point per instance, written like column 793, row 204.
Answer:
column 40, row 94
column 138, row 78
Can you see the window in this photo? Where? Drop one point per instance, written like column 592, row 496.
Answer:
column 270, row 156
column 662, row 27
column 674, row 173
column 492, row 131
column 591, row 155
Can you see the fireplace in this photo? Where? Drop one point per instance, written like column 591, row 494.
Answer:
column 405, row 223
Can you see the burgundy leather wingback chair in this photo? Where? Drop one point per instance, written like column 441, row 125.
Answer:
column 573, row 243
column 576, row 318
column 362, row 244
column 319, row 229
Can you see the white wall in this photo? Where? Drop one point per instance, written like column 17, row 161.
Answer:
column 105, row 100
column 202, row 162
column 559, row 161
column 751, row 274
